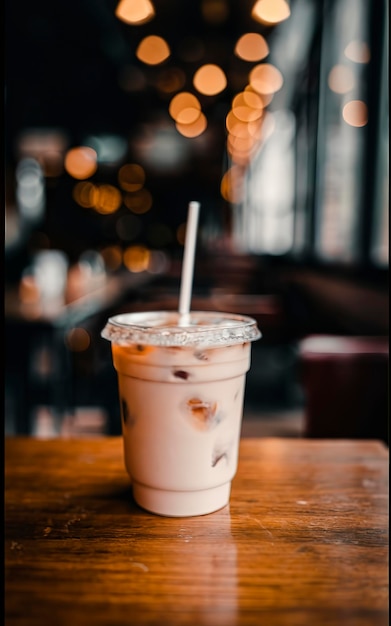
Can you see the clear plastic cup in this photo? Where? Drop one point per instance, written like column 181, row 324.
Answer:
column 181, row 391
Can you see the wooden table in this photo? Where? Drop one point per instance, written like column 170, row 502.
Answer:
column 303, row 542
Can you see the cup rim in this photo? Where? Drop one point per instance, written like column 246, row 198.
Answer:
column 224, row 329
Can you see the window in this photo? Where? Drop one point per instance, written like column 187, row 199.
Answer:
column 317, row 189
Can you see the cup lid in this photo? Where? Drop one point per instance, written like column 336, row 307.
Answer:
column 169, row 328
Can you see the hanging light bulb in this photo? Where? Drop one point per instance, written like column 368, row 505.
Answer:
column 135, row 11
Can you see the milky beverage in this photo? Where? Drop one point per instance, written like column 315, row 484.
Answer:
column 181, row 390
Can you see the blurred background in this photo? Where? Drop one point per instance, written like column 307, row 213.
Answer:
column 274, row 116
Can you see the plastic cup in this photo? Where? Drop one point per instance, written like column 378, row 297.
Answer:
column 181, row 391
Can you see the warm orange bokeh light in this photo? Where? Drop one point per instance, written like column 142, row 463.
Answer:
column 78, row 340
column 136, row 258
column 85, row 194
column 253, row 99
column 266, row 78
column 183, row 106
column 251, row 47
column 188, row 116
column 358, row 51
column 355, row 113
column 195, row 129
column 270, row 11
column 214, row 11
column 112, row 257
column 109, row 199
column 170, row 80
column 341, row 79
column 81, row 162
column 210, row 80
column 28, row 290
column 243, row 111
column 135, row 11
column 153, row 50
column 131, row 177
column 241, row 129
column 249, row 94
column 231, row 186
column 139, row 201
column 241, row 148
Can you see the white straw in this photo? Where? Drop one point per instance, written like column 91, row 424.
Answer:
column 188, row 261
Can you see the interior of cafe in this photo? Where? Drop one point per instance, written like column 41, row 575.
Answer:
column 274, row 117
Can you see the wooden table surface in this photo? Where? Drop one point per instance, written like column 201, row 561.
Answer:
column 304, row 540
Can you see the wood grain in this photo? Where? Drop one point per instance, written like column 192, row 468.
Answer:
column 303, row 542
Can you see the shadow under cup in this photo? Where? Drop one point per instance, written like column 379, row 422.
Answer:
column 181, row 390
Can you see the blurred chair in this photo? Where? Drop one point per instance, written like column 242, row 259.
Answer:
column 345, row 384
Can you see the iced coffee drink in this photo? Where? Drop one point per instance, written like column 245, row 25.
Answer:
column 181, row 390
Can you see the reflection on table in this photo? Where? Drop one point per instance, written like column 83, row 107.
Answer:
column 304, row 540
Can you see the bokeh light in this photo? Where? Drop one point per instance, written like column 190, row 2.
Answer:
column 81, row 162
column 251, row 47
column 78, row 339
column 195, row 129
column 355, row 113
column 243, row 111
column 266, row 78
column 85, row 194
column 112, row 257
column 184, row 106
column 136, row 258
column 135, row 11
column 231, row 186
column 170, row 80
column 131, row 177
column 358, row 51
column 153, row 50
column 210, row 80
column 214, row 11
column 270, row 11
column 108, row 200
column 139, row 201
column 341, row 79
